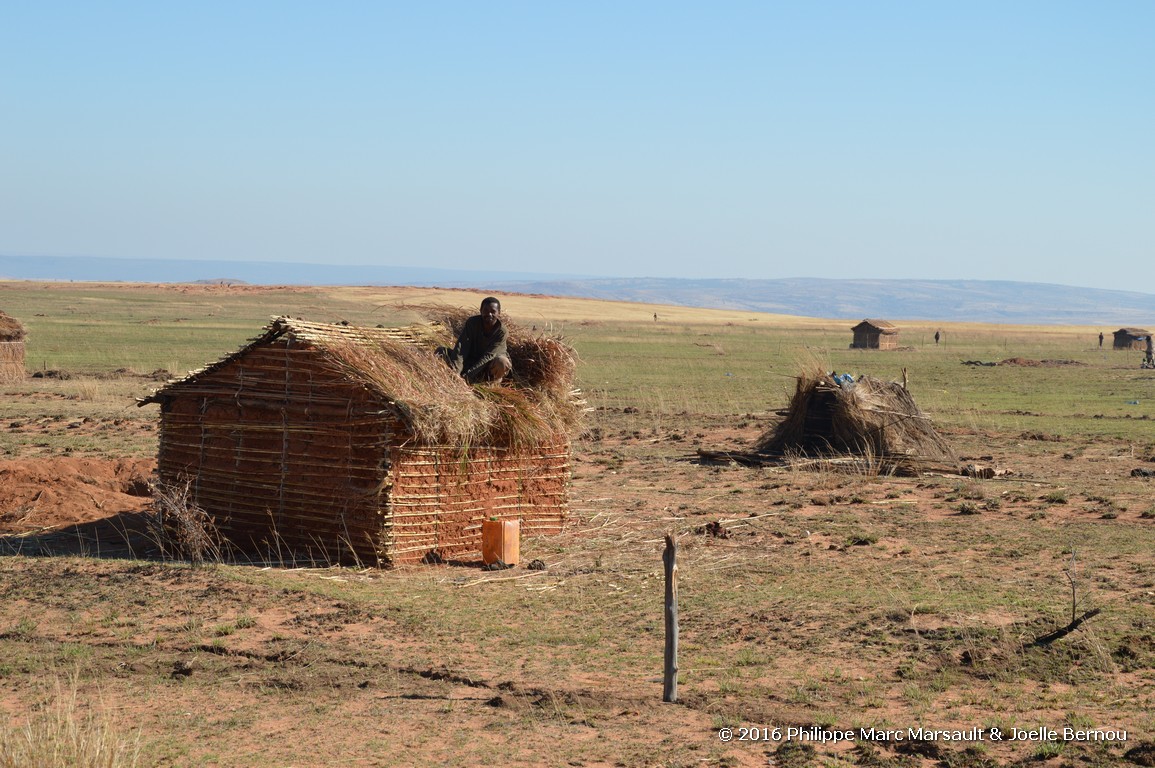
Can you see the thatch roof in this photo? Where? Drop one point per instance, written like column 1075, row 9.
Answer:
column 1135, row 332
column 398, row 365
column 882, row 326
column 834, row 416
column 10, row 329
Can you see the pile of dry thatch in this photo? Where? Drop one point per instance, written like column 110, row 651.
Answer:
column 541, row 362
column 866, row 417
column 10, row 329
column 537, row 402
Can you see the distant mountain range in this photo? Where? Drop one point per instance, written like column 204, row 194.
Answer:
column 98, row 269
column 985, row 301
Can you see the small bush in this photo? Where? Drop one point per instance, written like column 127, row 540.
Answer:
column 860, row 539
column 181, row 529
column 969, row 508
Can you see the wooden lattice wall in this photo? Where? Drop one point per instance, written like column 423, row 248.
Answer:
column 440, row 496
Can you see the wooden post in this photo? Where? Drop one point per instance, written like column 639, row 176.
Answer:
column 669, row 560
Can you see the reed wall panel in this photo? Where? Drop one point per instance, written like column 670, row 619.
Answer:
column 11, row 361
column 440, row 497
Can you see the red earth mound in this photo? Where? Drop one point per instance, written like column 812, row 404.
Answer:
column 41, row 494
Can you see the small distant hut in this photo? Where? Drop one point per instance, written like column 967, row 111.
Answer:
column 360, row 445
column 1131, row 338
column 836, row 415
column 11, row 349
column 875, row 334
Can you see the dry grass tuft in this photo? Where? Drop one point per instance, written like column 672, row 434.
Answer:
column 62, row 737
column 180, row 528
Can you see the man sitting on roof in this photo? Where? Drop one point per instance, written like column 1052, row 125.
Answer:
column 480, row 353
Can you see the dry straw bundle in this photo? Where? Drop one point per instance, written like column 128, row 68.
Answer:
column 831, row 416
column 10, row 328
column 537, row 405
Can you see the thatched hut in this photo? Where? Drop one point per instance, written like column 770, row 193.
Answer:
column 875, row 334
column 1131, row 338
column 836, row 415
column 359, row 444
column 11, row 349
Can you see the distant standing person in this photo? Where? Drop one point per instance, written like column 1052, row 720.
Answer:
column 936, row 336
column 1100, row 339
column 481, row 353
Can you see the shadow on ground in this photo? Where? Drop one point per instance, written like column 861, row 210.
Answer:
column 123, row 536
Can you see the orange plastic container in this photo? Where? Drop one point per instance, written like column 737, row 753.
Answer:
column 500, row 540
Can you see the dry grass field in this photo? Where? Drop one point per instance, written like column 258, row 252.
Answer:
column 828, row 617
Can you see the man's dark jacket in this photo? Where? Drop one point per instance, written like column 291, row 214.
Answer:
column 475, row 348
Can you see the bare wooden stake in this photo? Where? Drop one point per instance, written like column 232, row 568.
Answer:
column 1071, row 578
column 670, row 561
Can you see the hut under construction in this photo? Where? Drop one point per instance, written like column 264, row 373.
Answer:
column 11, row 350
column 347, row 444
column 1131, row 338
column 875, row 334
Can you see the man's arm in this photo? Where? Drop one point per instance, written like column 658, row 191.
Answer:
column 460, row 350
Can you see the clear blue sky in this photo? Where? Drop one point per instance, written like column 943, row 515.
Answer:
column 986, row 140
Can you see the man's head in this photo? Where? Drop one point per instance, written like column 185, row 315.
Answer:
column 490, row 312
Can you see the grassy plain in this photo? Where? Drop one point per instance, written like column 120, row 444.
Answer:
column 829, row 600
